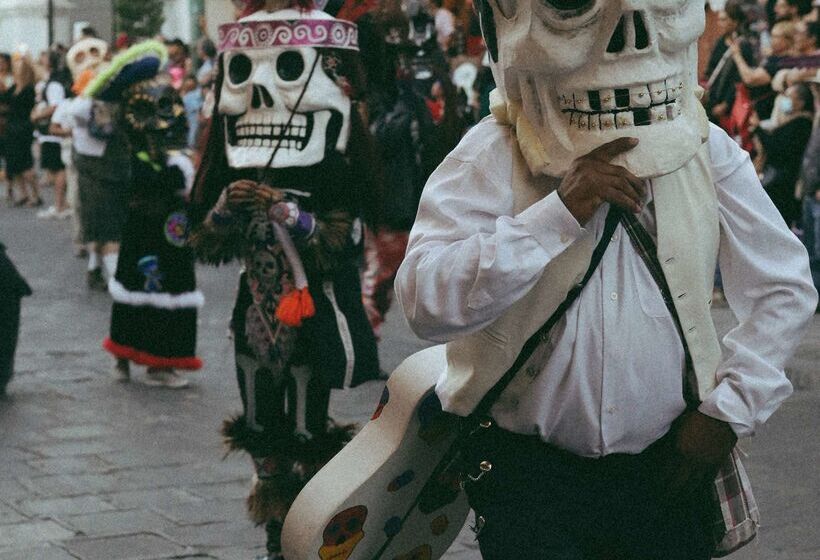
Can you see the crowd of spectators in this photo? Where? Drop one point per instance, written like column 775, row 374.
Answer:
column 429, row 80
column 762, row 88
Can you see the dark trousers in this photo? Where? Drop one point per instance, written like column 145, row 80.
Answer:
column 541, row 503
column 9, row 327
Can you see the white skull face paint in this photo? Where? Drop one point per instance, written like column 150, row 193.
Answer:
column 589, row 71
column 261, row 89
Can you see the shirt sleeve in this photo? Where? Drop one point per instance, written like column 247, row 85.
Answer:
column 768, row 286
column 469, row 258
column 55, row 94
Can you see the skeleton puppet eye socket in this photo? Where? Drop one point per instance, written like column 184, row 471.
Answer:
column 239, row 69
column 570, row 8
column 507, row 7
column 290, row 65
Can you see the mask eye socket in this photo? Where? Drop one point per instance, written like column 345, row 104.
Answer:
column 290, row 65
column 140, row 112
column 570, row 8
column 165, row 106
column 95, row 52
column 239, row 69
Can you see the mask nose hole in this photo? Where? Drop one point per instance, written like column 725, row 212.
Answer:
column 631, row 33
column 261, row 97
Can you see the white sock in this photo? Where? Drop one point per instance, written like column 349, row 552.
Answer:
column 93, row 260
column 110, row 262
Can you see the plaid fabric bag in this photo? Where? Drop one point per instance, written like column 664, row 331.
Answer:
column 736, row 517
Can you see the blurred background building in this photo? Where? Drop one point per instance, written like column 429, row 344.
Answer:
column 33, row 24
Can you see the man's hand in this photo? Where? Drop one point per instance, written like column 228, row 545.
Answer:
column 267, row 196
column 593, row 180
column 241, row 195
column 702, row 443
column 247, row 195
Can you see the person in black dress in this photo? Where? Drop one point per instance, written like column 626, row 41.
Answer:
column 19, row 134
column 153, row 322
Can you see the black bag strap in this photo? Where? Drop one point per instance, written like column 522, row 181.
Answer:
column 648, row 250
column 540, row 335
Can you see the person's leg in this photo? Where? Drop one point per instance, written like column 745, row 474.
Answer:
column 94, row 277
column 655, row 525
column 30, row 179
column 18, row 185
column 60, row 202
column 9, row 329
column 110, row 254
column 122, row 370
column 529, row 504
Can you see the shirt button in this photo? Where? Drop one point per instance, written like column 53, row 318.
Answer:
column 564, row 238
column 613, row 296
column 531, row 371
column 615, row 237
column 611, row 410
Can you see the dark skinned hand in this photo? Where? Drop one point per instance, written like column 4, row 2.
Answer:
column 702, row 443
column 593, row 180
column 249, row 195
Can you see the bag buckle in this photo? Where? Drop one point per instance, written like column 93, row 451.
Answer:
column 484, row 467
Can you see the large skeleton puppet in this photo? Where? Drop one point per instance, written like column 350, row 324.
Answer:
column 575, row 74
column 283, row 187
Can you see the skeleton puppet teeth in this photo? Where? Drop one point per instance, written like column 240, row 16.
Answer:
column 617, row 108
column 265, row 133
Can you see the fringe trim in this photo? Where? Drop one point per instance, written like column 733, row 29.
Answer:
column 296, row 461
column 185, row 300
column 238, row 436
column 145, row 359
column 217, row 246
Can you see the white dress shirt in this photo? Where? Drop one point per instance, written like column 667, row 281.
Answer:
column 609, row 380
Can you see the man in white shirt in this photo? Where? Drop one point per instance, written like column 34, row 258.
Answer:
column 604, row 445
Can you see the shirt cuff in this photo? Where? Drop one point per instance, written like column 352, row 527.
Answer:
column 725, row 404
column 551, row 223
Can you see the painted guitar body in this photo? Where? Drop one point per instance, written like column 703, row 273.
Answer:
column 383, row 497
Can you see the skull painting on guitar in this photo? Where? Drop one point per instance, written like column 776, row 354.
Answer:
column 586, row 72
column 276, row 91
column 343, row 533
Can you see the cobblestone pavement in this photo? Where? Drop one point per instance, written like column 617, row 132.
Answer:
column 94, row 469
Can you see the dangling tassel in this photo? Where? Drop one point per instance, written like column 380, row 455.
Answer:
column 295, row 307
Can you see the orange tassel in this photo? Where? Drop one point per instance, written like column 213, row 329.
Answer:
column 294, row 307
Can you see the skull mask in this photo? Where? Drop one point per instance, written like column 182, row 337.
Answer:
column 277, row 92
column 153, row 110
column 586, row 72
column 86, row 54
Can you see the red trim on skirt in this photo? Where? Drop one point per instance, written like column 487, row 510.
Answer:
column 146, row 359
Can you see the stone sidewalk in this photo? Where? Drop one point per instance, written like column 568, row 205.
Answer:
column 95, row 470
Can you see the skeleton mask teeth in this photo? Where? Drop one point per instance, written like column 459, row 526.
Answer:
column 618, row 108
column 269, row 132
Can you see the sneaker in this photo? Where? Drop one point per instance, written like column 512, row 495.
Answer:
column 167, row 378
column 121, row 371
column 95, row 280
column 49, row 213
